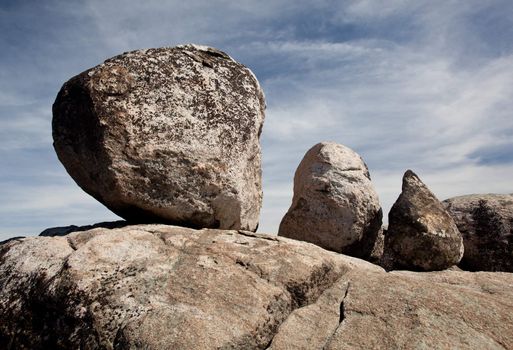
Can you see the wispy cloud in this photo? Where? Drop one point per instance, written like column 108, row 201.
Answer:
column 33, row 207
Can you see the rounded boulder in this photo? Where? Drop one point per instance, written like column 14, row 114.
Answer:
column 335, row 205
column 166, row 135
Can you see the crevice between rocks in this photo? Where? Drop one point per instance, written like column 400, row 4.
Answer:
column 342, row 316
column 302, row 294
column 301, row 300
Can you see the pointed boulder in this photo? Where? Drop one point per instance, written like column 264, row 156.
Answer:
column 421, row 234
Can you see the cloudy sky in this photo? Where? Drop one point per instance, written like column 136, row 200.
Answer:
column 426, row 85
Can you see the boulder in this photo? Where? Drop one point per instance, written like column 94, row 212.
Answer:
column 335, row 205
column 421, row 235
column 166, row 135
column 486, row 224
column 166, row 287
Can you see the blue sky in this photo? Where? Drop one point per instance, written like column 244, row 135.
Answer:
column 426, row 85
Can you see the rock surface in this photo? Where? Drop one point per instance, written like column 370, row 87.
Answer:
column 166, row 287
column 486, row 224
column 335, row 205
column 166, row 135
column 421, row 235
column 369, row 309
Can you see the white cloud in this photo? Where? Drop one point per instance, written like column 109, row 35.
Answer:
column 30, row 128
column 407, row 105
column 29, row 209
column 372, row 9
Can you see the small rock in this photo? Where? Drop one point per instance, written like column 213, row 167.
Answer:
column 486, row 224
column 335, row 205
column 166, row 135
column 65, row 230
column 421, row 235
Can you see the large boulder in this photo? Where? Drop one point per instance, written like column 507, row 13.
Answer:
column 335, row 205
column 166, row 135
column 486, row 224
column 166, row 287
column 421, row 235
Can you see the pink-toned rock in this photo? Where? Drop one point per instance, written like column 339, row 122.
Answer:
column 167, row 287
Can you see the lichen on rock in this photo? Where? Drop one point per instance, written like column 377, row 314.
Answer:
column 486, row 224
column 166, row 135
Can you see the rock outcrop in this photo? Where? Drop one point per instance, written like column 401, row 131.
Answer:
column 335, row 205
column 486, row 224
column 165, row 287
column 166, row 135
column 421, row 235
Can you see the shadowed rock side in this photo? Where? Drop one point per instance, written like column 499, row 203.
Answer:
column 486, row 224
column 166, row 135
column 335, row 205
column 421, row 235
column 166, row 287
column 65, row 230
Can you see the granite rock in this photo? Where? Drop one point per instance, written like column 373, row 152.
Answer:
column 421, row 235
column 166, row 135
column 486, row 224
column 335, row 205
column 166, row 287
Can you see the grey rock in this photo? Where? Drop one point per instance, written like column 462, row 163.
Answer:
column 166, row 135
column 379, row 246
column 335, row 205
column 165, row 287
column 11, row 239
column 65, row 230
column 486, row 224
column 421, row 234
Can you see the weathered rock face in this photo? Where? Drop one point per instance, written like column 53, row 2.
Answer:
column 404, row 310
column 486, row 224
column 165, row 287
column 166, row 135
column 158, row 287
column 335, row 205
column 421, row 234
